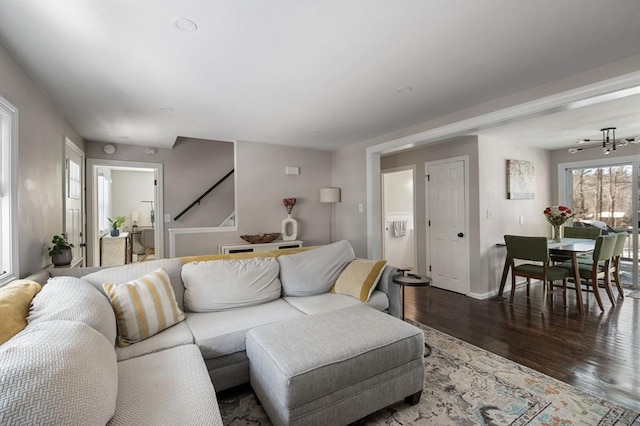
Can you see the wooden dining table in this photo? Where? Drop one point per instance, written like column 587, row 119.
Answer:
column 568, row 247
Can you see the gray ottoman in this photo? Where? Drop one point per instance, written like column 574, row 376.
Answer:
column 336, row 367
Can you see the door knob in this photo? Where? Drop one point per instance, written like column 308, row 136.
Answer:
column 460, row 234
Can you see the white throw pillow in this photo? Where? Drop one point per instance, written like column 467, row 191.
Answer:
column 72, row 299
column 58, row 373
column 216, row 285
column 314, row 271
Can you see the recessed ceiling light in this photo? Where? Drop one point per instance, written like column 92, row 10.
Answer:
column 124, row 138
column 184, row 24
column 150, row 151
column 404, row 90
column 314, row 132
column 166, row 109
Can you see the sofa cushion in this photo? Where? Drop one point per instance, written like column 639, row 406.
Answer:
column 319, row 303
column 15, row 300
column 58, row 373
column 144, row 306
column 169, row 387
column 223, row 333
column 359, row 278
column 314, row 271
column 174, row 336
column 217, row 285
column 72, row 299
column 124, row 273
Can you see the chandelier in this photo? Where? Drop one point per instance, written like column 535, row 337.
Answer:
column 608, row 144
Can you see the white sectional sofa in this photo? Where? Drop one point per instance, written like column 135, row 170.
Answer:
column 73, row 360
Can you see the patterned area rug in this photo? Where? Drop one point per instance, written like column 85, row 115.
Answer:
column 466, row 385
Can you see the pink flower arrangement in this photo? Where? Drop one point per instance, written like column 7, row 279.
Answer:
column 557, row 215
column 288, row 204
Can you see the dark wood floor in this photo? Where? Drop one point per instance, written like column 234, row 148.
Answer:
column 598, row 352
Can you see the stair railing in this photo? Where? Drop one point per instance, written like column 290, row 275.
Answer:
column 197, row 201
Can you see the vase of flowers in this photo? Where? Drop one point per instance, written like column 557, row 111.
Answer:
column 289, row 228
column 557, row 216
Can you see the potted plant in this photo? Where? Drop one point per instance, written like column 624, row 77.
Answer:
column 60, row 252
column 116, row 224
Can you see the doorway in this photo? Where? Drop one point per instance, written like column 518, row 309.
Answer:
column 447, row 210
column 129, row 189
column 605, row 194
column 74, row 216
column 398, row 210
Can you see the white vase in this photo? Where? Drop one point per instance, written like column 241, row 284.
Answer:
column 289, row 230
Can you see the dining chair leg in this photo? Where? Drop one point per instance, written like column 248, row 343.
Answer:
column 528, row 285
column 594, row 284
column 616, row 276
column 513, row 286
column 607, row 283
column 564, row 292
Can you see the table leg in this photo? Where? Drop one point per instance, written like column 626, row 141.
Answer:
column 503, row 280
column 403, row 303
column 576, row 278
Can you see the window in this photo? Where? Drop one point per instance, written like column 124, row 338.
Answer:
column 104, row 201
column 8, row 191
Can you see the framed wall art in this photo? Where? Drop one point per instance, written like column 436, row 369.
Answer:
column 520, row 180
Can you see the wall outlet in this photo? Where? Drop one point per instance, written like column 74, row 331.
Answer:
column 521, row 220
column 167, row 217
column 360, row 208
column 489, row 214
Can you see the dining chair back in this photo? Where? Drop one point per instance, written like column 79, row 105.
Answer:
column 615, row 261
column 581, row 232
column 532, row 249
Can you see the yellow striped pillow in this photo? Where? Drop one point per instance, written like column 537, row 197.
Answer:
column 143, row 307
column 359, row 278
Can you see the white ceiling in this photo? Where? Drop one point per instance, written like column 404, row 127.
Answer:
column 320, row 74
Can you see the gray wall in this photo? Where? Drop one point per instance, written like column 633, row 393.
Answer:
column 261, row 185
column 41, row 134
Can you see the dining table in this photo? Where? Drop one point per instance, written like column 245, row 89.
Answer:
column 566, row 247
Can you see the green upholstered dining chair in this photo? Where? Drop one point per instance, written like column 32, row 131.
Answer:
column 614, row 265
column 597, row 268
column 581, row 232
column 532, row 249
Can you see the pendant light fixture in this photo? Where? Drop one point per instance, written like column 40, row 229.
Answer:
column 609, row 142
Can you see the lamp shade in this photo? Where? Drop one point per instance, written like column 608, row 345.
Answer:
column 135, row 215
column 330, row 195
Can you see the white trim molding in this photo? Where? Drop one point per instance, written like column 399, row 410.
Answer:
column 9, row 252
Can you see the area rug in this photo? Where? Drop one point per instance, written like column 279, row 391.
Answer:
column 466, row 385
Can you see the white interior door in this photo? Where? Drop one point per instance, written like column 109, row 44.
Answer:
column 74, row 201
column 447, row 218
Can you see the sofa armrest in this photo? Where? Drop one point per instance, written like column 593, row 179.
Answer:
column 391, row 289
column 43, row 275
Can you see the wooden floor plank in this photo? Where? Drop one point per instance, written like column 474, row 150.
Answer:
column 598, row 352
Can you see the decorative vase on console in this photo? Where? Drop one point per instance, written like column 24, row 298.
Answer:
column 557, row 216
column 289, row 228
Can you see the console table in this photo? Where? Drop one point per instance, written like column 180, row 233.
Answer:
column 248, row 248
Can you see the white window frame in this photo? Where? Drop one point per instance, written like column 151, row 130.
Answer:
column 9, row 267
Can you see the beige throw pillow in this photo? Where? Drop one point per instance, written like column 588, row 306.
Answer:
column 359, row 278
column 143, row 307
column 15, row 300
